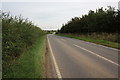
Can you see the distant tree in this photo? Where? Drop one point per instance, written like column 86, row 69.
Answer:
column 107, row 20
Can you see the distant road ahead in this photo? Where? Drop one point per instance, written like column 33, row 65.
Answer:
column 79, row 59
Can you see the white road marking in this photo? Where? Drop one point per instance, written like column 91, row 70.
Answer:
column 63, row 39
column 100, row 45
column 97, row 55
column 55, row 63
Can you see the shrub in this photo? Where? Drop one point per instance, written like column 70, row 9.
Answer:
column 18, row 34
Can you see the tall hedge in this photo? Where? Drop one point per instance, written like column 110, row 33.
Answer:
column 18, row 34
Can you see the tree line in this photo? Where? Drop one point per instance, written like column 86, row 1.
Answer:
column 102, row 20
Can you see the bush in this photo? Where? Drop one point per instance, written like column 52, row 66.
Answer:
column 18, row 34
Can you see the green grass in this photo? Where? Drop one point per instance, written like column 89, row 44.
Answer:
column 97, row 41
column 30, row 64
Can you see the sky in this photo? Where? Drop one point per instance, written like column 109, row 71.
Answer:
column 51, row 14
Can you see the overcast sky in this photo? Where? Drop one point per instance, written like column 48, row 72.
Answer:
column 51, row 14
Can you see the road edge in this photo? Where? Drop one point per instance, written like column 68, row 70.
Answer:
column 54, row 61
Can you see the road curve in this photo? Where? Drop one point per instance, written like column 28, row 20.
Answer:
column 79, row 59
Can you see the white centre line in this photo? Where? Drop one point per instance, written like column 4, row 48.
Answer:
column 102, row 46
column 97, row 55
column 55, row 63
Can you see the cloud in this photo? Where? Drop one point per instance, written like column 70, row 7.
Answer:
column 51, row 15
column 59, row 1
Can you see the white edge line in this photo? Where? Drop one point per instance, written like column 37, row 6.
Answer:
column 97, row 55
column 55, row 63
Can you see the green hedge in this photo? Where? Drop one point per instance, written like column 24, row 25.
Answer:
column 18, row 35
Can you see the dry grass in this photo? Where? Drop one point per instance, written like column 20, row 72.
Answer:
column 113, row 37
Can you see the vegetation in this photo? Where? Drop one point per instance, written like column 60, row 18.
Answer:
column 107, row 21
column 19, row 35
column 102, row 24
column 50, row 31
column 93, row 38
column 30, row 64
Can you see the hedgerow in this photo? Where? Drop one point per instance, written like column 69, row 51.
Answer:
column 18, row 34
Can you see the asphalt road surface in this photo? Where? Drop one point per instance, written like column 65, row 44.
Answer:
column 79, row 59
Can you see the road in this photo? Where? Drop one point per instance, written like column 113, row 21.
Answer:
column 79, row 59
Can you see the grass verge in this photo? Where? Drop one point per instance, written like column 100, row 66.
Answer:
column 97, row 41
column 30, row 64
